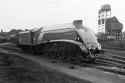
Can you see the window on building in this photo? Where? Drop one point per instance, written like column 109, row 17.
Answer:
column 102, row 21
column 99, row 22
column 102, row 15
column 99, row 16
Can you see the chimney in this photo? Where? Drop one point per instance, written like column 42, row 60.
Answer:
column 78, row 24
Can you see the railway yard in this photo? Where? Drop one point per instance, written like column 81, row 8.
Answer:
column 60, row 42
column 16, row 66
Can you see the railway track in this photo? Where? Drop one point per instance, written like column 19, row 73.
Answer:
column 113, row 59
column 113, row 64
column 116, row 56
column 107, row 62
column 113, row 69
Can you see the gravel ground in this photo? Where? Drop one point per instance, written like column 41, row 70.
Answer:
column 113, row 45
column 14, row 69
column 115, row 52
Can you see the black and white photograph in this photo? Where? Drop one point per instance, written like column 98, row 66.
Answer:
column 62, row 41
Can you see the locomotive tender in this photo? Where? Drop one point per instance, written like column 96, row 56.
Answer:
column 71, row 41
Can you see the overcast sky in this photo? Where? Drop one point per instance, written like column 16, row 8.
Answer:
column 28, row 14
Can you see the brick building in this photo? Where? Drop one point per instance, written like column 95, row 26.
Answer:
column 113, row 26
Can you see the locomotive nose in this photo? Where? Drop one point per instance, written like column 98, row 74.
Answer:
column 95, row 48
column 92, row 46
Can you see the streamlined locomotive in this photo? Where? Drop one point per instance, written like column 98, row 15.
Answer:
column 71, row 41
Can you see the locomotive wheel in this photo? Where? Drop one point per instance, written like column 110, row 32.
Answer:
column 28, row 50
column 45, row 51
column 76, row 57
column 25, row 49
column 62, row 56
column 58, row 55
column 52, row 55
column 22, row 48
column 67, row 54
column 79, row 58
column 32, row 50
column 63, row 52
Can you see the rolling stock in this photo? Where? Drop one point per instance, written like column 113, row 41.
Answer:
column 71, row 41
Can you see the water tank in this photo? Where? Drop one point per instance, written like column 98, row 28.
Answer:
column 106, row 7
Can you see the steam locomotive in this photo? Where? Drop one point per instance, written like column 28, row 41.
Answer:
column 71, row 41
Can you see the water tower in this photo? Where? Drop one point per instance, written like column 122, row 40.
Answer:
column 103, row 14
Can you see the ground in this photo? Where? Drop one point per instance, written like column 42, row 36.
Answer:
column 115, row 52
column 15, row 69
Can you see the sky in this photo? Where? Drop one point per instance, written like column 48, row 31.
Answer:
column 29, row 14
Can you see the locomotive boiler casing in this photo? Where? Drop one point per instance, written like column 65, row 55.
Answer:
column 57, row 32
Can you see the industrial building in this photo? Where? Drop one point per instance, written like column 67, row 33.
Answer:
column 107, row 24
